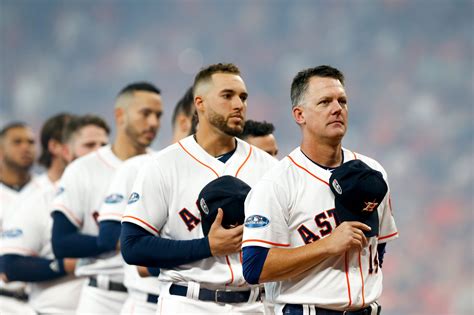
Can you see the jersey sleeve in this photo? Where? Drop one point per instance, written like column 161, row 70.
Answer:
column 147, row 205
column 71, row 198
column 115, row 202
column 387, row 228
column 24, row 229
column 266, row 216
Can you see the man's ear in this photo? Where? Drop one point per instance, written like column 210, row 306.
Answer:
column 298, row 114
column 55, row 147
column 119, row 113
column 199, row 103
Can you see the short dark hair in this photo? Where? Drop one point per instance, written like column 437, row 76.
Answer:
column 185, row 105
column 12, row 125
column 139, row 86
column 78, row 122
column 301, row 80
column 257, row 129
column 52, row 129
column 206, row 73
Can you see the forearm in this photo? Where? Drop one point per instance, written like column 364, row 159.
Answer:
column 33, row 269
column 67, row 241
column 144, row 249
column 287, row 263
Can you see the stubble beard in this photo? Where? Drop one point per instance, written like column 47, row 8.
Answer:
column 221, row 123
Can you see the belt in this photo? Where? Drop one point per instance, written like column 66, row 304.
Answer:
column 297, row 309
column 218, row 296
column 152, row 298
column 19, row 295
column 113, row 286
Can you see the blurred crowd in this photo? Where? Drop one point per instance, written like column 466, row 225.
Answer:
column 409, row 69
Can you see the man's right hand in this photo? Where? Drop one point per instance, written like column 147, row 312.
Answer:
column 346, row 236
column 224, row 241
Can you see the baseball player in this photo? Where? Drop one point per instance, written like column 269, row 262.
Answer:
column 17, row 155
column 143, row 290
column 292, row 240
column 161, row 226
column 83, row 188
column 260, row 134
column 27, row 253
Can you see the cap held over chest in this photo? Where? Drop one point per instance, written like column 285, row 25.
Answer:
column 228, row 193
column 358, row 191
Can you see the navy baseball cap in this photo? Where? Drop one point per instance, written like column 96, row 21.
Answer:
column 358, row 191
column 226, row 192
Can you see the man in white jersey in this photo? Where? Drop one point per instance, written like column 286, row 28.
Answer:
column 292, row 242
column 27, row 253
column 143, row 288
column 161, row 226
column 83, row 188
column 17, row 155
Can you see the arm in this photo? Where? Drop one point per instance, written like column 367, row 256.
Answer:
column 35, row 269
column 109, row 234
column 139, row 247
column 68, row 242
column 286, row 263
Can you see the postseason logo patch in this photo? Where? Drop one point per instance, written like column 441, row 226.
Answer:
column 256, row 221
column 114, row 198
column 133, row 198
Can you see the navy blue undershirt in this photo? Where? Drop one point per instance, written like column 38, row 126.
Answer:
column 67, row 241
column 139, row 247
column 109, row 234
column 31, row 269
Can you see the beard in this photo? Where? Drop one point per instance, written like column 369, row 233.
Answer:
column 18, row 165
column 221, row 123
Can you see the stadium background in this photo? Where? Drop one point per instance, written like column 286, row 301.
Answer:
column 409, row 69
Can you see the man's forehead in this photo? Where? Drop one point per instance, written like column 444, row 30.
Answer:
column 20, row 132
column 223, row 81
column 321, row 84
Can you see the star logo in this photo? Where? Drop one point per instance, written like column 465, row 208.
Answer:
column 370, row 206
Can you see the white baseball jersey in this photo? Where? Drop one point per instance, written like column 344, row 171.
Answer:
column 10, row 200
column 83, row 188
column 293, row 206
column 32, row 223
column 164, row 203
column 113, row 209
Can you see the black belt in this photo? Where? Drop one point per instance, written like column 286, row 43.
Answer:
column 152, row 298
column 218, row 296
column 19, row 295
column 113, row 286
column 297, row 309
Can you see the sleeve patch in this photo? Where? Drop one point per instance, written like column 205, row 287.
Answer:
column 256, row 221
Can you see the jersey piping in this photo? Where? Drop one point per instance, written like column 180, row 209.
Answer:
column 307, row 171
column 246, row 159
column 197, row 160
column 266, row 242
column 142, row 221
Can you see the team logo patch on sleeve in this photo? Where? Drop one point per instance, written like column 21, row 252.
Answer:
column 114, row 198
column 256, row 221
column 13, row 233
column 59, row 191
column 133, row 198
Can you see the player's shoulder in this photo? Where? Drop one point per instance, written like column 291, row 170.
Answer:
column 256, row 153
column 101, row 158
column 374, row 164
